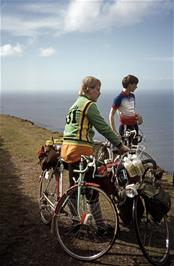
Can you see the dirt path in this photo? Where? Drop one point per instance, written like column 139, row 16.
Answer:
column 26, row 241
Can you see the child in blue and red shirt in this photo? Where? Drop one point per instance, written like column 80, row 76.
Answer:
column 124, row 105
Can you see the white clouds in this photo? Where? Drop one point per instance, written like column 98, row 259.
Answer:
column 18, row 26
column 46, row 52
column 9, row 50
column 103, row 15
column 32, row 20
column 79, row 15
column 99, row 15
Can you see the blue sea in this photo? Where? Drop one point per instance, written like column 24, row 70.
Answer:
column 156, row 107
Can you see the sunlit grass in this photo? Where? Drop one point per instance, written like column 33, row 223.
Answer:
column 22, row 138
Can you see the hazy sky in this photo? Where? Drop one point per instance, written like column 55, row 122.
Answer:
column 52, row 45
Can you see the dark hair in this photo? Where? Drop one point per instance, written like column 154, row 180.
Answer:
column 130, row 79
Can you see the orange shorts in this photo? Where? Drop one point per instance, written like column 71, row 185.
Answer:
column 71, row 153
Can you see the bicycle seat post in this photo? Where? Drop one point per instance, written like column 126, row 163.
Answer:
column 80, row 178
column 81, row 168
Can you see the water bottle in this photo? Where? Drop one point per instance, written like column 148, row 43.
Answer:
column 130, row 167
column 138, row 165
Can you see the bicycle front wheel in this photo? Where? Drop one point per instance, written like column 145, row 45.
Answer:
column 153, row 237
column 86, row 222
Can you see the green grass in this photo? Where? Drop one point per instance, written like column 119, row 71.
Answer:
column 22, row 138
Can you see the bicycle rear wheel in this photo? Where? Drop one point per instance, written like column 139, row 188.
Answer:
column 153, row 237
column 86, row 232
column 47, row 196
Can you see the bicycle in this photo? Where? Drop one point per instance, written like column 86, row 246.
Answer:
column 87, row 235
column 84, row 217
column 152, row 235
column 105, row 150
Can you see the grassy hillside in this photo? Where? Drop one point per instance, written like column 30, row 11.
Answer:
column 22, row 138
column 25, row 240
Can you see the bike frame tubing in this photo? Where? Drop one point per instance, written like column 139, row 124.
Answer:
column 60, row 193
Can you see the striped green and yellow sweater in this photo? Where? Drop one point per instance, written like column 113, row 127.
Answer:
column 80, row 120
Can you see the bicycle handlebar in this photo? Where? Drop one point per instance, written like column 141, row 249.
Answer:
column 129, row 133
column 132, row 133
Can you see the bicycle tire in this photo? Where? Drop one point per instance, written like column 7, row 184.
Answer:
column 150, row 163
column 81, row 239
column 153, row 238
column 144, row 156
column 47, row 196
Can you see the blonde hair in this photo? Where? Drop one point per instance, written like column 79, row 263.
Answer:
column 87, row 83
